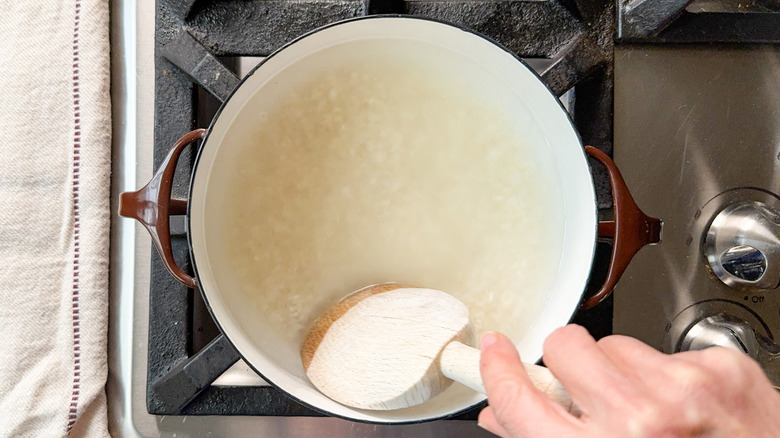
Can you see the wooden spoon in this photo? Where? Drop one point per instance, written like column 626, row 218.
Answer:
column 392, row 346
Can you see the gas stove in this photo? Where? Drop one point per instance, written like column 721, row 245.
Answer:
column 695, row 135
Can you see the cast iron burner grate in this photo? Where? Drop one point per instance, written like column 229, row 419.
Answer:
column 196, row 43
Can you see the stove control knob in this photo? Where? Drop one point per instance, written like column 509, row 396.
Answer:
column 742, row 246
column 727, row 331
column 720, row 331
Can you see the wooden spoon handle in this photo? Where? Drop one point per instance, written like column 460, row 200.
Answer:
column 460, row 362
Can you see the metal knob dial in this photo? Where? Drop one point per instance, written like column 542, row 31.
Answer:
column 742, row 246
column 726, row 331
column 721, row 331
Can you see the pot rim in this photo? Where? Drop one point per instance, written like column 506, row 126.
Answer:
column 449, row 415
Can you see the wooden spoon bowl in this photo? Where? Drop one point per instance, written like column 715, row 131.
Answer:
column 392, row 346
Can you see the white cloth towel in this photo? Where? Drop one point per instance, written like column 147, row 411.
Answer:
column 55, row 152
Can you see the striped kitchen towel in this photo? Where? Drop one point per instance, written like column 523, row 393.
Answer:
column 55, row 152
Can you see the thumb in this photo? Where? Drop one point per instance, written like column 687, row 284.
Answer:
column 517, row 408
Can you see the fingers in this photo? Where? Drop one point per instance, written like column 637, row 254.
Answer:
column 633, row 357
column 722, row 361
column 593, row 381
column 517, row 408
column 731, row 370
column 487, row 420
column 635, row 350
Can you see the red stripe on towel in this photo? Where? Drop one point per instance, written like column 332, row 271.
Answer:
column 73, row 409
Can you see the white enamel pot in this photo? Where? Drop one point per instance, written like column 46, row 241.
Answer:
column 548, row 125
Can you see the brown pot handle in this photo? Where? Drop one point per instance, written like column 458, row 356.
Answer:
column 153, row 206
column 631, row 228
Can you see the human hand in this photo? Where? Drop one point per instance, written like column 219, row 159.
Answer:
column 625, row 388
